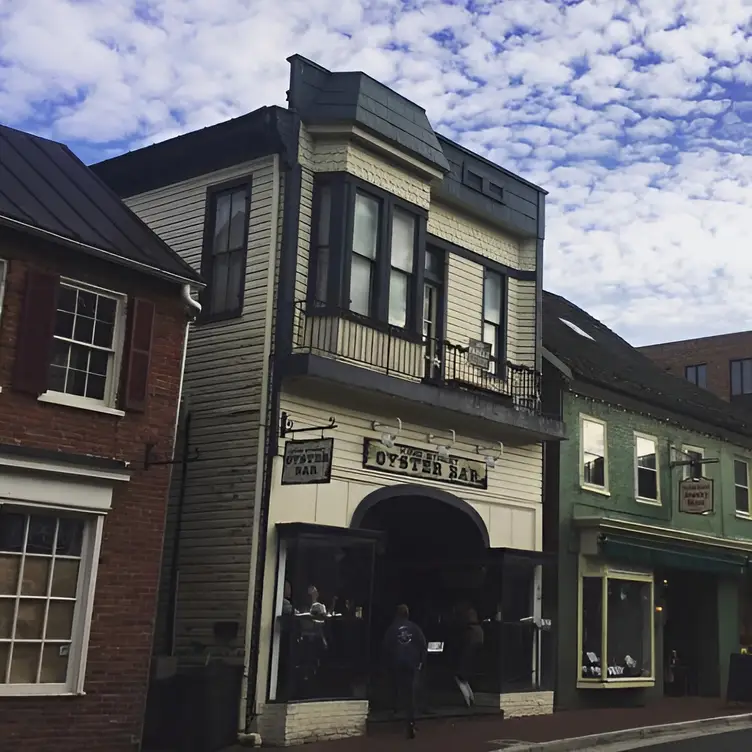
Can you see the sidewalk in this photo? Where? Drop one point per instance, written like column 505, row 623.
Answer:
column 487, row 733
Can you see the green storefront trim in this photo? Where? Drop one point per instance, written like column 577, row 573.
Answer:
column 642, row 552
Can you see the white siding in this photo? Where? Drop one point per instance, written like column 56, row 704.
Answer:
column 223, row 382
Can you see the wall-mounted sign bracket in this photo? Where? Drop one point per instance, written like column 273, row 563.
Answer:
column 287, row 427
column 149, row 460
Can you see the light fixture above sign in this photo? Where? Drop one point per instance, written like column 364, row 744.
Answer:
column 387, row 439
column 488, row 454
column 442, row 450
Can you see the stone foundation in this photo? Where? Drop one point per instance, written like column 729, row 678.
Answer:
column 519, row 704
column 288, row 724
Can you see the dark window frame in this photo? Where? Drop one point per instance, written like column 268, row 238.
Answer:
column 740, row 363
column 695, row 368
column 501, row 334
column 213, row 192
column 344, row 189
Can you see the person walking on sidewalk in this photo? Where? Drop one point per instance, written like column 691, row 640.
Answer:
column 404, row 652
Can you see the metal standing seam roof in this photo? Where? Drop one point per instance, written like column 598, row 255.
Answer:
column 47, row 187
column 605, row 359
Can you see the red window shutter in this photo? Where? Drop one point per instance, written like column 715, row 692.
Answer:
column 140, row 329
column 35, row 331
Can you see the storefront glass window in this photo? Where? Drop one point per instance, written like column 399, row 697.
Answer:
column 592, row 627
column 619, row 646
column 323, row 610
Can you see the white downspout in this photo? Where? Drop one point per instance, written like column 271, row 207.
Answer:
column 192, row 310
column 260, row 453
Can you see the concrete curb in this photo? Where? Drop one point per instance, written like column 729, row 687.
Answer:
column 701, row 726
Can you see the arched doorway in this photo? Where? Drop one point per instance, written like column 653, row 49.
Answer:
column 433, row 558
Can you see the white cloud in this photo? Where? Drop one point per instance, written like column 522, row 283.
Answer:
column 629, row 112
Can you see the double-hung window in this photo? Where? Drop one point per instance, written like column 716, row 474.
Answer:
column 225, row 249
column 741, row 486
column 647, row 487
column 367, row 253
column 401, row 289
column 593, row 454
column 365, row 246
column 494, row 319
column 86, row 342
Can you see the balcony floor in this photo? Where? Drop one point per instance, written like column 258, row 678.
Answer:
column 473, row 413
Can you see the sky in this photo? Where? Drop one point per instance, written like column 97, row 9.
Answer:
column 635, row 115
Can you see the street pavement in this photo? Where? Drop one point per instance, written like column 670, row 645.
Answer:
column 731, row 741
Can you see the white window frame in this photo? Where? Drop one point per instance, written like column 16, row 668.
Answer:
column 686, row 448
column 108, row 404
column 590, row 486
column 28, row 486
column 646, row 499
column 746, row 514
column 605, row 572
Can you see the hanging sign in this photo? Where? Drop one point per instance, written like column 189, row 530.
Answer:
column 308, row 461
column 696, row 495
column 479, row 354
column 424, row 463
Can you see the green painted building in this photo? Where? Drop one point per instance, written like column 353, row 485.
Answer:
column 647, row 508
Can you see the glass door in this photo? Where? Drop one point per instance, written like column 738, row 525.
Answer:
column 433, row 311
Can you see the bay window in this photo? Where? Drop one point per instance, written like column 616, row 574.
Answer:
column 616, row 628
column 367, row 253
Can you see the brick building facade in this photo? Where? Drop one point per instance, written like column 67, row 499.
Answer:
column 93, row 318
column 721, row 364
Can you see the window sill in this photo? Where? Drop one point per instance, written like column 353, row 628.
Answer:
column 649, row 502
column 744, row 516
column 81, row 403
column 37, row 690
column 595, row 489
column 616, row 684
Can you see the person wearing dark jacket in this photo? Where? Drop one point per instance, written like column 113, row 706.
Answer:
column 404, row 653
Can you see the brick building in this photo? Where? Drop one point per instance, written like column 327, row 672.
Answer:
column 721, row 364
column 94, row 310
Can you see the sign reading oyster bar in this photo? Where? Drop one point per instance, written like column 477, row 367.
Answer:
column 402, row 459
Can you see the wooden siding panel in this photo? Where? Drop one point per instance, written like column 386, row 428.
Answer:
column 223, row 380
column 521, row 311
column 514, row 484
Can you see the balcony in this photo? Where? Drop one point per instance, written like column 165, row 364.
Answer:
column 339, row 346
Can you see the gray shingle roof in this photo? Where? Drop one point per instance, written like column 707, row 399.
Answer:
column 46, row 187
column 611, row 362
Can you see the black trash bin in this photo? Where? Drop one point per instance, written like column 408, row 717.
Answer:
column 208, row 699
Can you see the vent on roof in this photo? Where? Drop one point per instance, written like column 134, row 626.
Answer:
column 577, row 329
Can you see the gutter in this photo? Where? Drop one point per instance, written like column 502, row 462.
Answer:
column 15, row 224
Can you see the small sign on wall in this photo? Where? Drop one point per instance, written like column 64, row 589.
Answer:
column 479, row 354
column 696, row 495
column 424, row 463
column 308, row 461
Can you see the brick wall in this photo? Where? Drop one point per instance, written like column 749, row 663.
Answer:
column 109, row 717
column 716, row 352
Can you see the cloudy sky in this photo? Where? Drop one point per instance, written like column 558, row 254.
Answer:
column 634, row 114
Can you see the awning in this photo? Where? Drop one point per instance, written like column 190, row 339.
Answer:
column 639, row 551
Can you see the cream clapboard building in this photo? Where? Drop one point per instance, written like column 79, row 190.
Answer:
column 363, row 388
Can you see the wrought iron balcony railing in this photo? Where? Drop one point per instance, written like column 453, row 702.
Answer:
column 348, row 338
